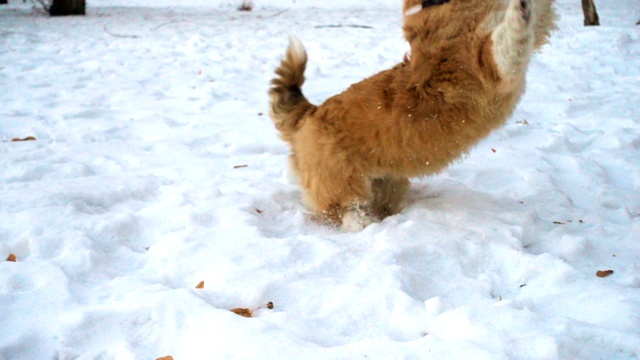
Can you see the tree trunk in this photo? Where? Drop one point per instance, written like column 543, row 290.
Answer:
column 590, row 13
column 67, row 7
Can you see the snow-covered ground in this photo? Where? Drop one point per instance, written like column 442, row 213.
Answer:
column 156, row 167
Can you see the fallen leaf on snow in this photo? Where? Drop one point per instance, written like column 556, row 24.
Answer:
column 604, row 273
column 28, row 138
column 165, row 358
column 12, row 258
column 200, row 285
column 248, row 313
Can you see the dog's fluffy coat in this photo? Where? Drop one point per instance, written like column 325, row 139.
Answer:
column 464, row 76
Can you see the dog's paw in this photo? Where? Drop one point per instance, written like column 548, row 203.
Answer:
column 355, row 220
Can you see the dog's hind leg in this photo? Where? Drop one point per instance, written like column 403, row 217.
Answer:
column 388, row 196
column 513, row 39
column 338, row 193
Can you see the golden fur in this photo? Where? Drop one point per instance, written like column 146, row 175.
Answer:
column 465, row 74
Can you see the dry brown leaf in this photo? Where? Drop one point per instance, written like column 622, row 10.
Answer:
column 168, row 357
column 604, row 273
column 247, row 5
column 12, row 258
column 28, row 138
column 248, row 313
column 200, row 285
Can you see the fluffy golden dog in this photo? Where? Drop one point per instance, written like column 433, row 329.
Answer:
column 463, row 78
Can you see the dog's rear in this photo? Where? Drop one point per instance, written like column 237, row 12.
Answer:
column 288, row 104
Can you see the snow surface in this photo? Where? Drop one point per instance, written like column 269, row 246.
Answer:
column 131, row 195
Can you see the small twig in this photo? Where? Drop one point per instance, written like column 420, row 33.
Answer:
column 240, row 166
column 269, row 306
column 276, row 14
column 343, row 26
column 119, row 35
column 167, row 23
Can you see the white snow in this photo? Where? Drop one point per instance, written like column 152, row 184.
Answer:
column 136, row 189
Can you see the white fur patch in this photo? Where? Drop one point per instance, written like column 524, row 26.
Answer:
column 413, row 10
column 513, row 41
column 355, row 220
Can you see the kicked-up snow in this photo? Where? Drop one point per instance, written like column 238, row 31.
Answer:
column 155, row 167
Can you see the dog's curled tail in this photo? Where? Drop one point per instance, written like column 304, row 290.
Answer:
column 288, row 105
